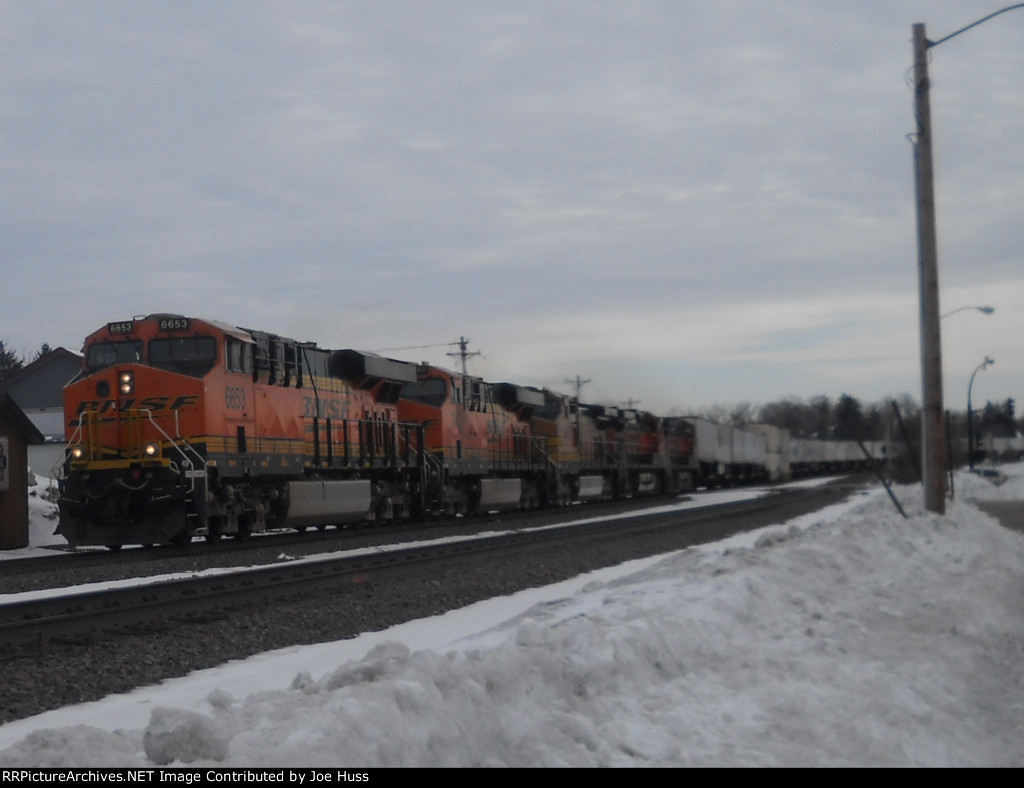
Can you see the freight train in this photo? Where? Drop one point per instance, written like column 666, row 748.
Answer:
column 180, row 427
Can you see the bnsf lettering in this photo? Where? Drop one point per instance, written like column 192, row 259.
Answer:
column 155, row 404
column 322, row 409
column 234, row 398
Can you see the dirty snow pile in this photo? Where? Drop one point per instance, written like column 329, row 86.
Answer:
column 42, row 514
column 850, row 637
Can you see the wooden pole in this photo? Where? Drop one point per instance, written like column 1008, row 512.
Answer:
column 933, row 427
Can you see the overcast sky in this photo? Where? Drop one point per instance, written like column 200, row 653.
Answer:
column 684, row 202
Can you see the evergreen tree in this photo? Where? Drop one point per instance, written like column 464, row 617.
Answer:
column 10, row 362
column 820, row 413
column 997, row 419
column 850, row 422
column 788, row 414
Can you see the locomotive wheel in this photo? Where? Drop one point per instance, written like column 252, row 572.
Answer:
column 215, row 530
column 182, row 539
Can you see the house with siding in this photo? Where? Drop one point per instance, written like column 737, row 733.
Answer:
column 38, row 390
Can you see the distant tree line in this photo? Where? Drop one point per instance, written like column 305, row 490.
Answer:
column 846, row 418
column 999, row 420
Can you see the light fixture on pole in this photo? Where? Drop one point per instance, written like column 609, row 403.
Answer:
column 970, row 413
column 987, row 310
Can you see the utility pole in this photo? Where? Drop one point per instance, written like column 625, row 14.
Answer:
column 463, row 353
column 933, row 426
column 933, row 447
column 579, row 383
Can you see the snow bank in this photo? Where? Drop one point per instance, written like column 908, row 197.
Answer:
column 852, row 637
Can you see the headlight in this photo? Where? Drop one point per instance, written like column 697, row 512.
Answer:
column 77, row 452
column 152, row 450
column 126, row 382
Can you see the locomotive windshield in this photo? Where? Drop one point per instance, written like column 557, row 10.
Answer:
column 427, row 392
column 106, row 354
column 549, row 411
column 194, row 356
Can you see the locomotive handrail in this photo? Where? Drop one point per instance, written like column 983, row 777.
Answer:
column 182, row 452
column 57, row 470
column 431, row 474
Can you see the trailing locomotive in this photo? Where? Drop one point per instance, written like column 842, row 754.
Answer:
column 179, row 427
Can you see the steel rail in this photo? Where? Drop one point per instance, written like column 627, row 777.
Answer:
column 36, row 622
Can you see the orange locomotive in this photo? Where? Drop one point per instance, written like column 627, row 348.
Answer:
column 581, row 459
column 480, row 447
column 179, row 426
column 657, row 453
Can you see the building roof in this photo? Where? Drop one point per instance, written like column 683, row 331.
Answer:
column 41, row 383
column 15, row 416
column 45, row 360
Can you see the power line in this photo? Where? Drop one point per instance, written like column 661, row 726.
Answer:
column 410, row 347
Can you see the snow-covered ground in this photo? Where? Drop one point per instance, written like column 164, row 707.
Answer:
column 850, row 637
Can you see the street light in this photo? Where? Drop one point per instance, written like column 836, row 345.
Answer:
column 988, row 310
column 970, row 414
column 933, row 427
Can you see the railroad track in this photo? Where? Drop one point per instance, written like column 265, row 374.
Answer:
column 91, row 565
column 67, row 559
column 70, row 618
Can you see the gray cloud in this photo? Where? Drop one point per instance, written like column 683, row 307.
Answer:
column 578, row 186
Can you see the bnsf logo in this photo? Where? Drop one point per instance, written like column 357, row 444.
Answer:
column 154, row 404
column 323, row 408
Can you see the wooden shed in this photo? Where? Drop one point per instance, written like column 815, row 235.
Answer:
column 16, row 434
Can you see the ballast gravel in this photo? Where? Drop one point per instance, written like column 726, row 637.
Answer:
column 57, row 675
